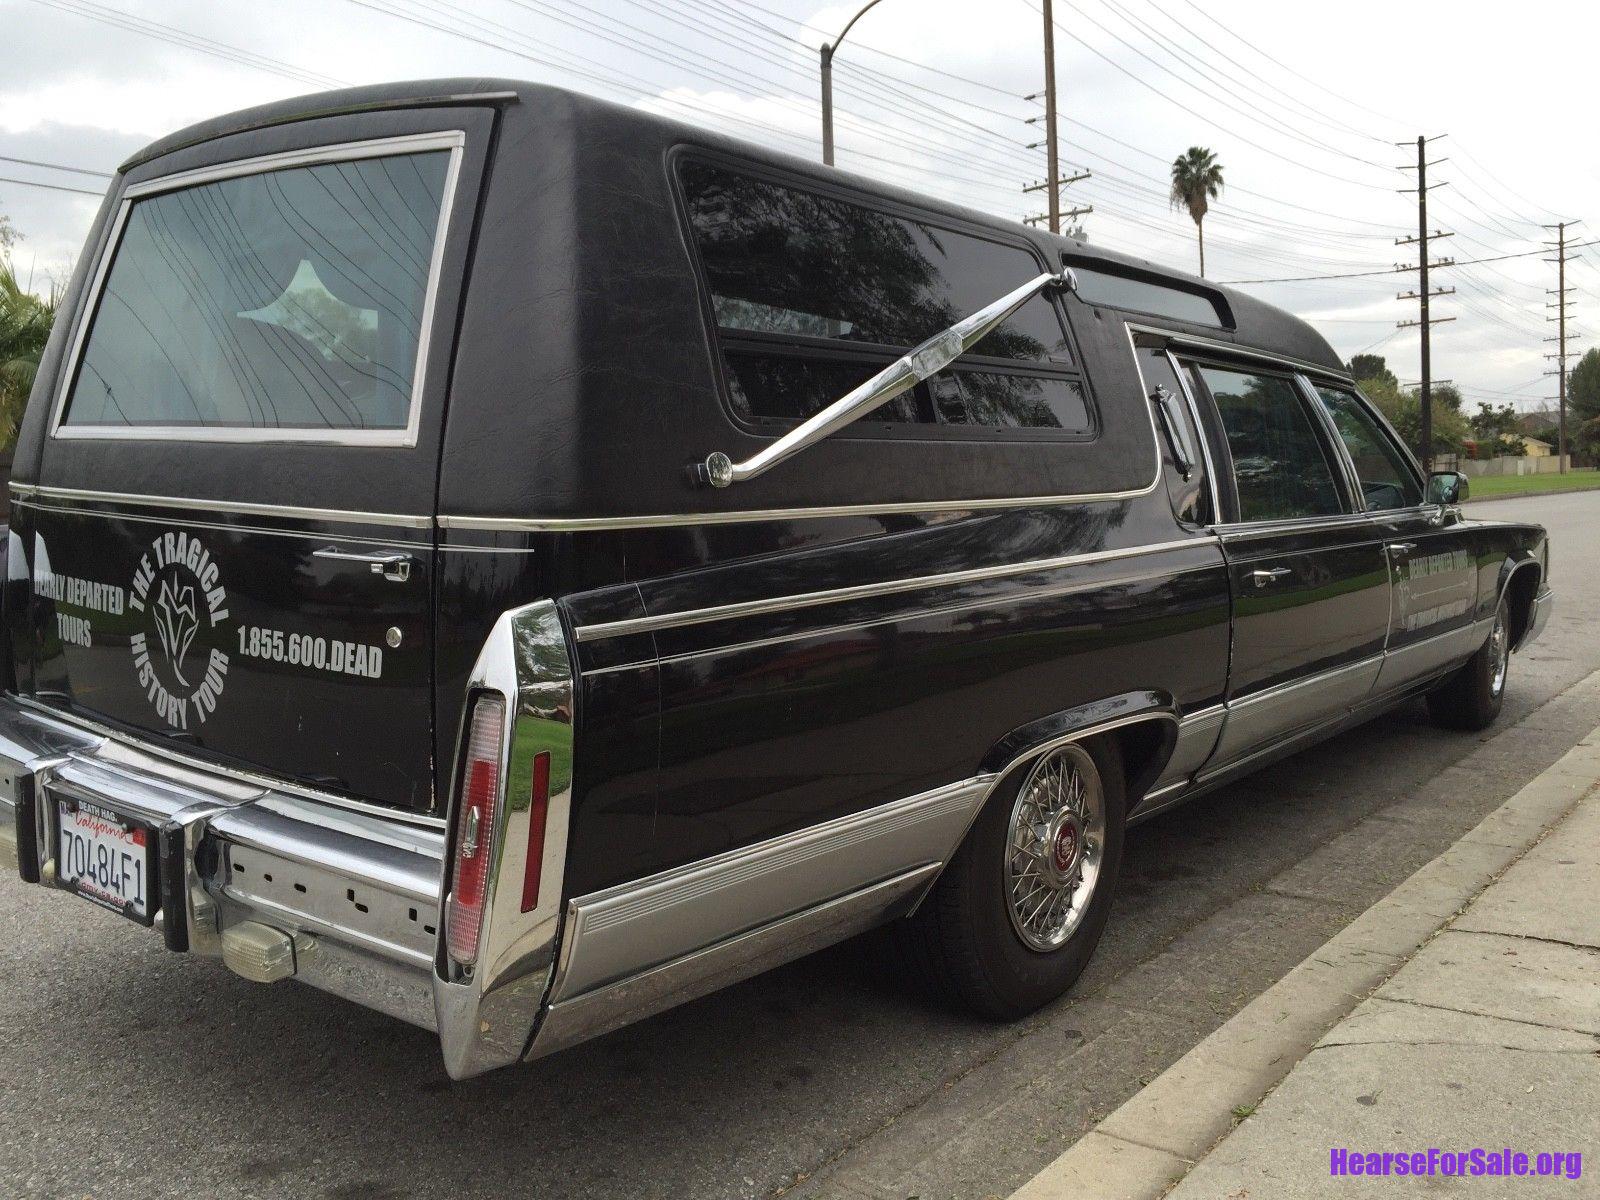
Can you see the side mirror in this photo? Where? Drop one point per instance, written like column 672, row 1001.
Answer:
column 1446, row 488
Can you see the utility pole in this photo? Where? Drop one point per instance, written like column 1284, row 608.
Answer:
column 1560, row 318
column 1053, row 183
column 1423, row 295
column 1052, row 160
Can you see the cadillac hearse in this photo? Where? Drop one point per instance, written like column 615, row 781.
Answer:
column 518, row 563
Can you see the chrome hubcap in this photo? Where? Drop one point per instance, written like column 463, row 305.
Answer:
column 1054, row 848
column 1499, row 651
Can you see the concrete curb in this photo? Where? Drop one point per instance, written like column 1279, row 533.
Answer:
column 1571, row 491
column 1143, row 1148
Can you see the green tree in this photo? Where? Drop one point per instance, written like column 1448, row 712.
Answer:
column 1404, row 410
column 25, row 322
column 1496, row 430
column 1583, row 387
column 1196, row 180
column 1372, row 366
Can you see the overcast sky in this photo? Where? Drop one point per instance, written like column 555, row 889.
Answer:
column 1300, row 103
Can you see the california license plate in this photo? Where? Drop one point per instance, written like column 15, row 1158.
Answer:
column 106, row 858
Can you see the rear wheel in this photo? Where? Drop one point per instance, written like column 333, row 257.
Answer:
column 1470, row 698
column 1015, row 917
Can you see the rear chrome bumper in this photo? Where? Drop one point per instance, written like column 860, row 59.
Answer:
column 357, row 894
column 282, row 884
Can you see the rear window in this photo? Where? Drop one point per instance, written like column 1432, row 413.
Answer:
column 289, row 299
column 1141, row 295
column 813, row 294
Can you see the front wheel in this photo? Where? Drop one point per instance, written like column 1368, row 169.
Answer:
column 1015, row 917
column 1470, row 698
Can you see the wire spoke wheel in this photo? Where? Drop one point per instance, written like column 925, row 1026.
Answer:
column 1499, row 651
column 1055, row 847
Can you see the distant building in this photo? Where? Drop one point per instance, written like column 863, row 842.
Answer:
column 1537, row 421
column 1537, row 448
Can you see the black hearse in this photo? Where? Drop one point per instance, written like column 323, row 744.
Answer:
column 518, row 563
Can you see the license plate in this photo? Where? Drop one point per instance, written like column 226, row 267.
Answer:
column 106, row 858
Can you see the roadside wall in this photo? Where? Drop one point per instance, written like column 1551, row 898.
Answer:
column 1547, row 465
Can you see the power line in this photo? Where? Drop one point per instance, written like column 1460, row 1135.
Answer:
column 29, row 162
column 53, row 187
column 1398, row 270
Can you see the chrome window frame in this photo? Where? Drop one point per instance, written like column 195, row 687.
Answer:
column 1385, row 430
column 1332, row 447
column 453, row 141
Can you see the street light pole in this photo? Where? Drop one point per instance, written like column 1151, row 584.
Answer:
column 827, row 83
column 827, row 104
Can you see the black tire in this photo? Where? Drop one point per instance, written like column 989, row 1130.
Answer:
column 1470, row 698
column 961, row 944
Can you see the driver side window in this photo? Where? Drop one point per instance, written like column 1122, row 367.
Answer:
column 1386, row 479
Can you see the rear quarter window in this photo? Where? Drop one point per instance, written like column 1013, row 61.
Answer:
column 280, row 300
column 813, row 293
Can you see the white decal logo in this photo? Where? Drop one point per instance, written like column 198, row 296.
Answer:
column 176, row 625
column 187, row 591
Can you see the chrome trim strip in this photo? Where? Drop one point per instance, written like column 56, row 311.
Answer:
column 487, row 1014
column 748, row 516
column 1414, row 660
column 713, row 967
column 1198, row 734
column 1244, row 530
column 1321, row 679
column 1538, row 617
column 190, row 504
column 189, row 769
column 453, row 141
column 1287, row 708
column 1238, row 350
column 639, row 926
column 916, row 615
column 749, row 608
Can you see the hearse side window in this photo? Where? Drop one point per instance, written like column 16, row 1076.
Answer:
column 1140, row 295
column 814, row 294
column 1386, row 479
column 1278, row 461
column 290, row 299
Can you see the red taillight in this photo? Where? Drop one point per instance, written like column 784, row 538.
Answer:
column 538, row 810
column 475, row 825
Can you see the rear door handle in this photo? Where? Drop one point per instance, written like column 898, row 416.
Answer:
column 1402, row 547
column 1264, row 576
column 394, row 567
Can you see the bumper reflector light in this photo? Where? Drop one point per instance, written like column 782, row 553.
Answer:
column 261, row 953
column 476, row 822
column 538, row 810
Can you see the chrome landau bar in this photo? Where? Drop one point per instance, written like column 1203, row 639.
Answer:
column 931, row 357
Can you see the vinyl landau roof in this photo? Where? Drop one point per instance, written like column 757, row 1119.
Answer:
column 1256, row 324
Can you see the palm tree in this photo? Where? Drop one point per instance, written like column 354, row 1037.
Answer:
column 1196, row 178
column 25, row 322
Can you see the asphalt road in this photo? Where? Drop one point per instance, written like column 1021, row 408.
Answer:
column 125, row 1070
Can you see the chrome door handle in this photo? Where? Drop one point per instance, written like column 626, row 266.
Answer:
column 1402, row 547
column 1268, row 575
column 394, row 567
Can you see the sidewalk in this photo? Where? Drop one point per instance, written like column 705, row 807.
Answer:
column 1483, row 1031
